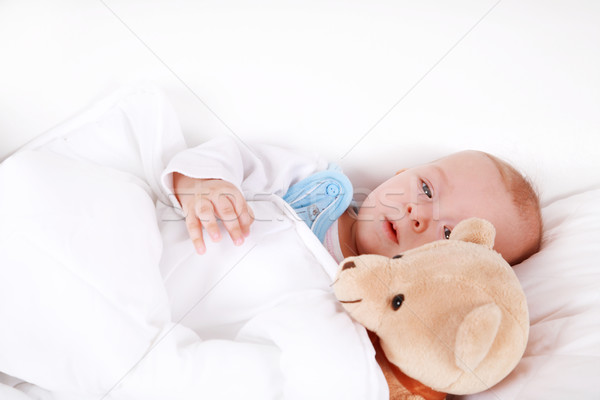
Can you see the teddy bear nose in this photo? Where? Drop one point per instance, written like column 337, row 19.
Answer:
column 348, row 265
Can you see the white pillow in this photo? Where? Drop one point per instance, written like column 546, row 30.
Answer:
column 562, row 284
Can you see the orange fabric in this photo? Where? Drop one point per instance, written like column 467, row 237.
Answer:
column 399, row 383
column 416, row 387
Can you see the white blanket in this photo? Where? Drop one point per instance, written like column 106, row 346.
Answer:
column 101, row 296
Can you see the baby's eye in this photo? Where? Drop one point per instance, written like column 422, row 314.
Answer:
column 426, row 189
column 447, row 232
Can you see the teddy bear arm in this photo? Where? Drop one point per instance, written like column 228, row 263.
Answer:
column 394, row 377
column 397, row 390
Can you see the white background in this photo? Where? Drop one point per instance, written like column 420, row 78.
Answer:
column 373, row 85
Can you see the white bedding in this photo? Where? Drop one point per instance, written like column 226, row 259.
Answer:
column 102, row 303
column 373, row 86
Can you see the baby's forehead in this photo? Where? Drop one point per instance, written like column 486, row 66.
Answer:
column 469, row 170
column 470, row 156
column 465, row 163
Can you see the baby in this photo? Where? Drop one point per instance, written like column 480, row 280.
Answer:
column 415, row 206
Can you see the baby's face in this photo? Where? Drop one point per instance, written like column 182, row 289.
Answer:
column 423, row 204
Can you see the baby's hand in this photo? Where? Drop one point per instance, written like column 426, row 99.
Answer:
column 206, row 200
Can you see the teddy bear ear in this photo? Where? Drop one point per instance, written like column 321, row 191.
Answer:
column 475, row 336
column 475, row 230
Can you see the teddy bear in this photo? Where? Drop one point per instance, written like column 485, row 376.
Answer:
column 446, row 317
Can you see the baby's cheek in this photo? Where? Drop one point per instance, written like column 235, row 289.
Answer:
column 366, row 237
column 371, row 200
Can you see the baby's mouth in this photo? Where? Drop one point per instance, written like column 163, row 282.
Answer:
column 389, row 228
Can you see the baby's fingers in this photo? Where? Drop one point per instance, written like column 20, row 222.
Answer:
column 194, row 228
column 205, row 215
column 245, row 216
column 229, row 216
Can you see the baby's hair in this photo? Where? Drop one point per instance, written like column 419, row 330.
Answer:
column 526, row 201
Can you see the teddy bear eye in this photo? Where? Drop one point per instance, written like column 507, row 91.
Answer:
column 397, row 301
column 397, row 256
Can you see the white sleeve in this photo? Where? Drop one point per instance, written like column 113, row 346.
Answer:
column 256, row 170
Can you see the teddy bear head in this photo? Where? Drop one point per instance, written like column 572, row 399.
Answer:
column 450, row 314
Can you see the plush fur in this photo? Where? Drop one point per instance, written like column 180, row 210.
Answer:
column 449, row 316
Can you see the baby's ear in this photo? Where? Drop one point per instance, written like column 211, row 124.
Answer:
column 475, row 230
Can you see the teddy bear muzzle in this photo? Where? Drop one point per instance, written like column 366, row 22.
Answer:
column 362, row 286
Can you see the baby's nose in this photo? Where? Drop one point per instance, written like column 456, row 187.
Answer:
column 419, row 217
